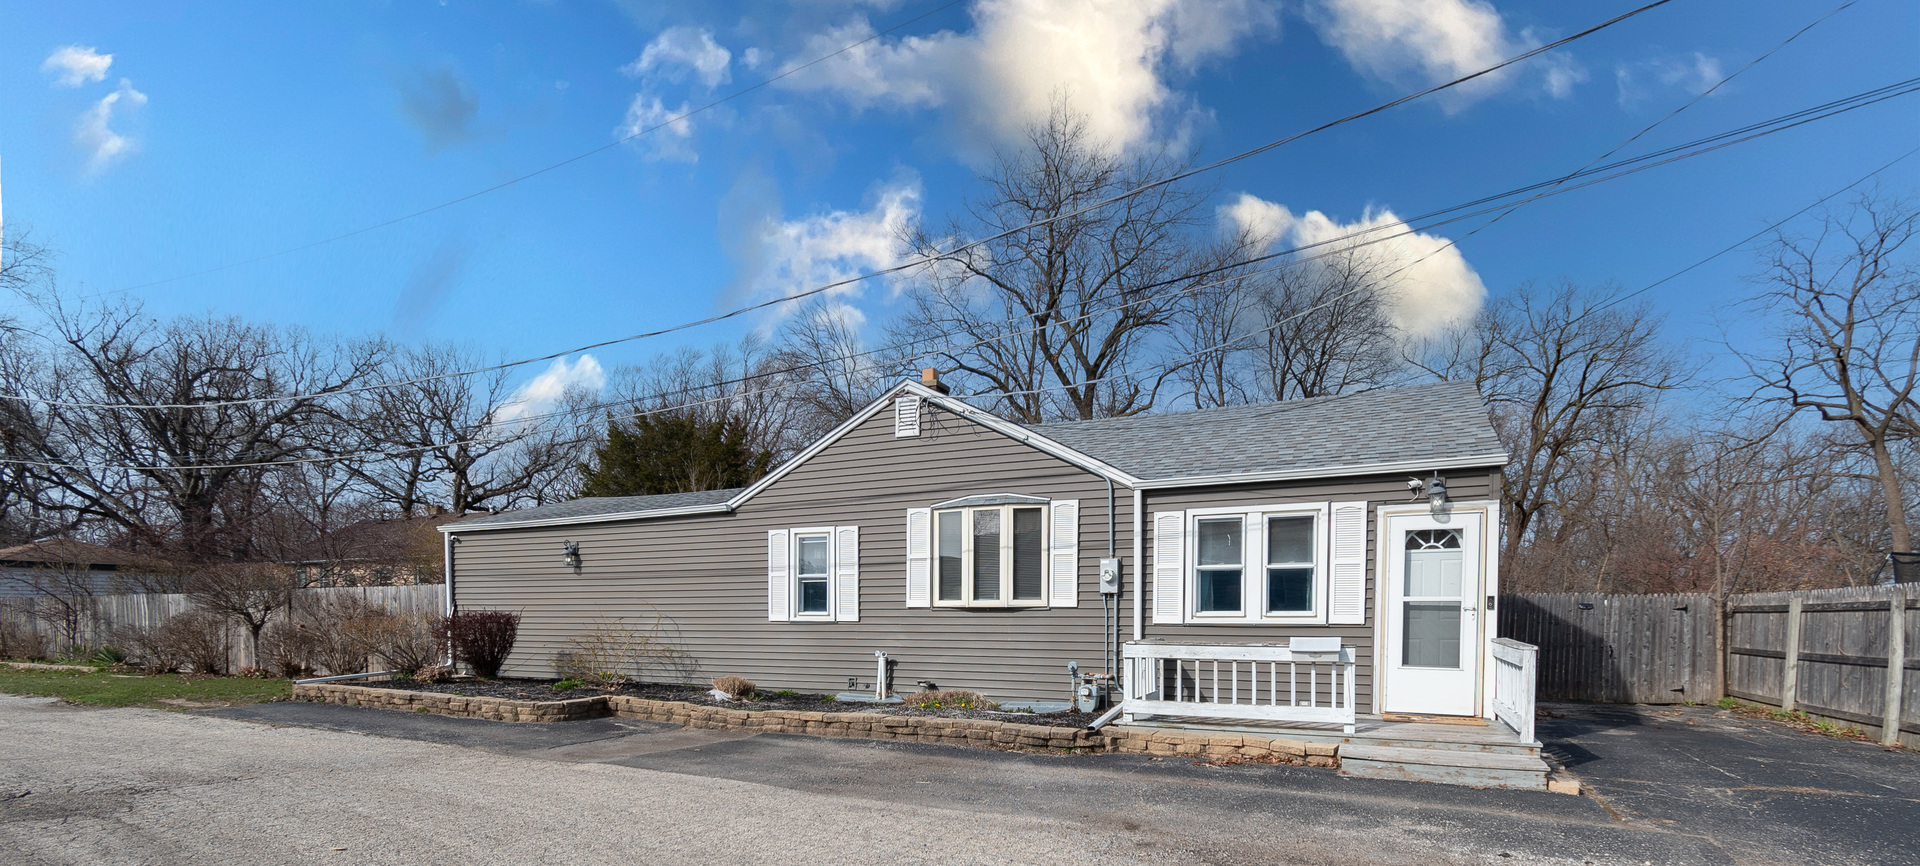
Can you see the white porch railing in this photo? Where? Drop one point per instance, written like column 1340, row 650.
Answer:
column 1308, row 680
column 1515, row 666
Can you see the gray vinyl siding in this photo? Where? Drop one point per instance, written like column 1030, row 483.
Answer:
column 705, row 576
column 1462, row 485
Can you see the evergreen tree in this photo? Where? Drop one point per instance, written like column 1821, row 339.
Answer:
column 673, row 452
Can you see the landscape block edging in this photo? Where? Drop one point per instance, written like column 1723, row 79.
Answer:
column 979, row 733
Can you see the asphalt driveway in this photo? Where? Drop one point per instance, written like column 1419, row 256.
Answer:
column 1760, row 790
column 295, row 782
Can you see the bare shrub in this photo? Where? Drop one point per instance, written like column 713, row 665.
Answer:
column 149, row 649
column 434, row 674
column 18, row 641
column 340, row 632
column 408, row 642
column 950, row 699
column 738, row 688
column 287, row 649
column 198, row 639
column 483, row 639
column 614, row 650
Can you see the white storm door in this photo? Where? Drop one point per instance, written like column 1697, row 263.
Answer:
column 1433, row 582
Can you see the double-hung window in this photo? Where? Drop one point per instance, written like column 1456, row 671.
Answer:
column 1265, row 564
column 813, row 569
column 990, row 556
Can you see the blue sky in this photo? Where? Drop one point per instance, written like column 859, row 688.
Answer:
column 219, row 132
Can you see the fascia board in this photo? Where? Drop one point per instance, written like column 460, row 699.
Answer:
column 715, row 508
column 1478, row 461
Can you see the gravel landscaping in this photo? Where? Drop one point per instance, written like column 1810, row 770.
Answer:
column 543, row 690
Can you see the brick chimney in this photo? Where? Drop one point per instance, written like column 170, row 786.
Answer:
column 930, row 377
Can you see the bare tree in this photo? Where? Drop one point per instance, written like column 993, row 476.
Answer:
column 744, row 383
column 249, row 593
column 1324, row 328
column 1844, row 342
column 1562, row 371
column 187, row 479
column 458, row 443
column 826, row 371
column 1057, row 319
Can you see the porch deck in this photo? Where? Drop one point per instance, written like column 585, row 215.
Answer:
column 1489, row 755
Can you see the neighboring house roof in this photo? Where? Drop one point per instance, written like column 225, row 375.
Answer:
column 1435, row 426
column 1413, row 429
column 58, row 552
column 597, row 506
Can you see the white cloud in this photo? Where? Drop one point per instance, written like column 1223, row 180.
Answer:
column 1694, row 74
column 75, row 65
column 544, row 393
column 672, row 142
column 1412, row 43
column 785, row 257
column 1437, row 288
column 1110, row 58
column 678, row 51
column 94, row 133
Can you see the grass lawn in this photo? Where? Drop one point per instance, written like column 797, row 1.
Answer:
column 165, row 691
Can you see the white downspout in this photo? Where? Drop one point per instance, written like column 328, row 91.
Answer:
column 1139, row 584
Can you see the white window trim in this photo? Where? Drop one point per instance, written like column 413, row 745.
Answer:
column 1006, row 557
column 793, row 577
column 1253, row 564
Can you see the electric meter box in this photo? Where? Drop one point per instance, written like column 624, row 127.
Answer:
column 1110, row 576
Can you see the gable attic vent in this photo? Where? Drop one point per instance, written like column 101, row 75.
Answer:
column 906, row 416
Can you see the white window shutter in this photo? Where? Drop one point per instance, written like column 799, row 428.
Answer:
column 1347, row 567
column 919, row 557
column 906, row 416
column 846, row 574
column 779, row 577
column 1169, row 567
column 1063, row 566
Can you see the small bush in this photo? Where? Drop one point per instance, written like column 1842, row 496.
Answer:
column 786, row 693
column 17, row 641
column 198, row 639
column 434, row 674
column 738, row 688
column 950, row 699
column 612, row 652
column 483, row 639
column 568, row 683
column 408, row 642
column 150, row 650
column 340, row 632
column 287, row 649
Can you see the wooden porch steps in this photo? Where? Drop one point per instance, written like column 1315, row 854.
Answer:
column 1503, row 769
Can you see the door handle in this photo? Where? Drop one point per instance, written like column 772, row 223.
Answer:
column 1466, row 608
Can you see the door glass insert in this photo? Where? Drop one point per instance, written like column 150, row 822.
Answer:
column 1431, row 612
column 1432, row 634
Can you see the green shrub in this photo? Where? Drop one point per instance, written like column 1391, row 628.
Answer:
column 568, row 683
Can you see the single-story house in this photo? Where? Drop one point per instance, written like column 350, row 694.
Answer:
column 63, row 566
column 981, row 554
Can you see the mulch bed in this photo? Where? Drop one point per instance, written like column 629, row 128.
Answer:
column 543, row 690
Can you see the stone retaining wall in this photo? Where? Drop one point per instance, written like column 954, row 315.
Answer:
column 980, row 733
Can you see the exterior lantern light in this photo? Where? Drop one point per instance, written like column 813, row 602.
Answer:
column 1435, row 489
column 571, row 551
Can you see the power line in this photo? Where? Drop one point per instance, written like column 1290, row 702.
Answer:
column 1553, row 188
column 1453, row 242
column 920, row 261
column 1545, row 189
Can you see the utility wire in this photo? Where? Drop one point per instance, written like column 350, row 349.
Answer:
column 918, row 262
column 1554, row 189
column 1453, row 242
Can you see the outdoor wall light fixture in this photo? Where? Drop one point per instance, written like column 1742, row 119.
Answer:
column 571, row 551
column 1435, row 489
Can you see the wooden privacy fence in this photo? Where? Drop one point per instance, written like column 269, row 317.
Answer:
column 1844, row 654
column 1639, row 649
column 107, row 616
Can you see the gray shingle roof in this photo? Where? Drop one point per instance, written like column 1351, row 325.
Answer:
column 1443, row 421
column 596, row 506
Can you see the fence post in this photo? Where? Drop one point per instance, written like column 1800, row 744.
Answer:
column 1790, row 673
column 1896, row 666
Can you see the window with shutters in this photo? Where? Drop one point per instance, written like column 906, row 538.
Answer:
column 813, row 574
column 990, row 556
column 1259, row 564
